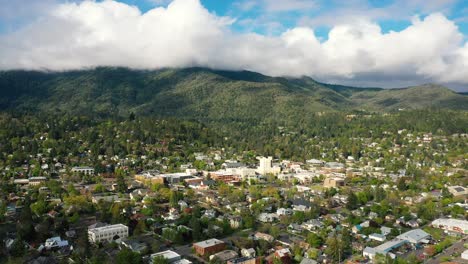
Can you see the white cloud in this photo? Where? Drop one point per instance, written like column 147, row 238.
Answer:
column 185, row 34
column 288, row 5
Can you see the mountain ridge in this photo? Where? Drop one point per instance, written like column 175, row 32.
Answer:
column 204, row 94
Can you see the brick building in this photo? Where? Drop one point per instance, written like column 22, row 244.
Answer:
column 209, row 247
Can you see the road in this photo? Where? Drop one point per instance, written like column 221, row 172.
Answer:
column 457, row 247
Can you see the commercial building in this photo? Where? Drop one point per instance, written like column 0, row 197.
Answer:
column 209, row 247
column 453, row 225
column 266, row 166
column 34, row 181
column 333, row 182
column 84, row 170
column 414, row 237
column 108, row 233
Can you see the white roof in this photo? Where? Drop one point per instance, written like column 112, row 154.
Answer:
column 168, row 254
column 450, row 223
column 208, row 243
column 103, row 228
column 414, row 236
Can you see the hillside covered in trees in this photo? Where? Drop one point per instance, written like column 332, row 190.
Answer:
column 203, row 94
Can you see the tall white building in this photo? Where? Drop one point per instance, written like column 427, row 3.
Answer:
column 108, row 233
column 266, row 166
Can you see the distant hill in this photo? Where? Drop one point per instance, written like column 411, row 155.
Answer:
column 204, row 94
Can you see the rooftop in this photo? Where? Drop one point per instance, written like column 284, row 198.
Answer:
column 208, row 243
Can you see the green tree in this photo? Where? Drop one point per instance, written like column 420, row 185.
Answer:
column 126, row 256
column 160, row 260
column 352, row 202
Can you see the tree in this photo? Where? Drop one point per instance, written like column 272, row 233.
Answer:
column 314, row 240
column 275, row 231
column 174, row 198
column 160, row 260
column 99, row 188
column 25, row 224
column 352, row 202
column 140, row 228
column 121, row 184
column 39, row 208
column 18, row 248
column 126, row 256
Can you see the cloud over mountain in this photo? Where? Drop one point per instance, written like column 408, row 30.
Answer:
column 88, row 34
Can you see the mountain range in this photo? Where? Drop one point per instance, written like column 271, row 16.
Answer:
column 201, row 93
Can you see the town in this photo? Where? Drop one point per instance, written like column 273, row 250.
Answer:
column 397, row 197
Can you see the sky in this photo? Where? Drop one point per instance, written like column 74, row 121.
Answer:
column 369, row 43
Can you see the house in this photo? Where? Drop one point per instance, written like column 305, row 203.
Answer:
column 209, row 247
column 134, row 245
column 301, row 205
column 138, row 194
column 377, row 237
column 267, row 217
column 54, row 243
column 248, row 252
column 210, row 213
column 108, row 233
column 412, row 223
column 263, row 236
column 308, row 261
column 295, row 228
column 284, row 255
column 284, row 211
column 224, row 255
column 235, row 222
column 313, row 224
column 385, row 230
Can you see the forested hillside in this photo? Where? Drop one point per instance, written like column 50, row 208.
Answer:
column 203, row 94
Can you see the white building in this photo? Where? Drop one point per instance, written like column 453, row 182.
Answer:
column 458, row 190
column 266, row 166
column 377, row 237
column 108, row 233
column 34, row 181
column 55, row 242
column 464, row 255
column 84, row 170
column 454, row 225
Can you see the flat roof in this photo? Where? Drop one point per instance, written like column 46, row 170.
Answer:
column 390, row 245
column 208, row 243
column 102, row 228
column 168, row 254
column 414, row 236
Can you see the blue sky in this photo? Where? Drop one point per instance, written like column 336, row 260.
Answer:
column 263, row 17
column 387, row 43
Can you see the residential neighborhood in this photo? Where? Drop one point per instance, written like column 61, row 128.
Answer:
column 389, row 200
